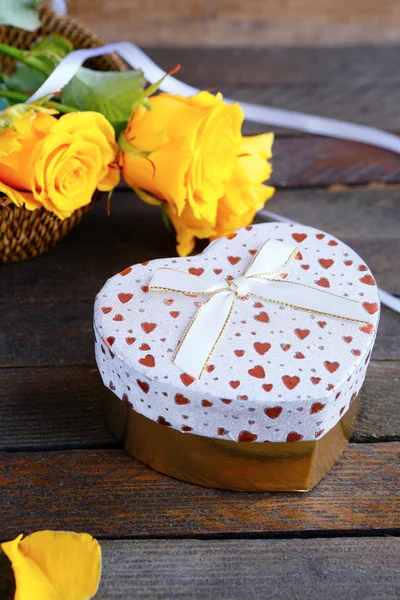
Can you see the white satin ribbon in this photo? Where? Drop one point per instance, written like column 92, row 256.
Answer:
column 261, row 280
column 59, row 7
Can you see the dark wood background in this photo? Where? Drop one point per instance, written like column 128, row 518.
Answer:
column 60, row 468
column 243, row 23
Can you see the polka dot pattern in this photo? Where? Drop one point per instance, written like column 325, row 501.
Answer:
column 277, row 373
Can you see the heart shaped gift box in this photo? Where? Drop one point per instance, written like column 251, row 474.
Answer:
column 240, row 367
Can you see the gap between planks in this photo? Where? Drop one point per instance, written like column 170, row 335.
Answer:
column 100, row 492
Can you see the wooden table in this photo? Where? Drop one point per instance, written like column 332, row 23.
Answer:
column 60, row 468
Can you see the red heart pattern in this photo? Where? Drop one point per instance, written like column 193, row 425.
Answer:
column 247, row 436
column 124, row 297
column 257, row 371
column 262, row 317
column 283, row 362
column 299, row 237
column 267, row 387
column 291, row 381
column 197, row 272
column 331, row 366
column 323, row 282
column 187, row 379
column 326, row 263
column 262, row 347
column 368, row 280
column 148, row 361
column 148, row 327
column 371, row 307
column 302, row 333
column 273, row 412
column 181, row 399
column 144, row 386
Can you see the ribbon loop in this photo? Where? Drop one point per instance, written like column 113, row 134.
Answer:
column 208, row 324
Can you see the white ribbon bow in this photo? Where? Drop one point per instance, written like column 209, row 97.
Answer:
column 259, row 280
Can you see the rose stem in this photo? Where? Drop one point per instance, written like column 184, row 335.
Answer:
column 19, row 97
column 21, row 56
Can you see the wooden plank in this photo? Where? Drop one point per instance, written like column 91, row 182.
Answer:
column 232, row 22
column 237, row 569
column 61, row 408
column 205, row 66
column 317, row 161
column 48, row 301
column 359, row 101
column 110, row 494
column 344, row 83
column 379, row 417
column 102, row 245
column 52, row 408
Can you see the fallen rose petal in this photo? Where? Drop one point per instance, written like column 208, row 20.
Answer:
column 55, row 565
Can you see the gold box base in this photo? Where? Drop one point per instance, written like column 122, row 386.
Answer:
column 240, row 466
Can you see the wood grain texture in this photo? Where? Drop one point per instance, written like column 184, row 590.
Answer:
column 357, row 84
column 324, row 162
column 379, row 417
column 360, row 85
column 362, row 102
column 236, row 569
column 110, row 494
column 49, row 301
column 254, row 22
column 102, row 245
column 205, row 66
column 251, row 569
column 62, row 408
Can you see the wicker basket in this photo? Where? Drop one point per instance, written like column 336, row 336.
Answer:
column 24, row 233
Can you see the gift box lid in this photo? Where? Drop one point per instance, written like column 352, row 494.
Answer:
column 278, row 370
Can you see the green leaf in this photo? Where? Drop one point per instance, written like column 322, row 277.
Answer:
column 152, row 89
column 56, row 45
column 110, row 93
column 50, row 51
column 24, row 79
column 19, row 13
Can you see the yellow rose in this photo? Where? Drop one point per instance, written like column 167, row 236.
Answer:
column 184, row 150
column 56, row 163
column 188, row 155
column 244, row 195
